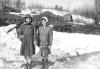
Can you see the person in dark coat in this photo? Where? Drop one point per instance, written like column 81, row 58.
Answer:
column 45, row 38
column 27, row 36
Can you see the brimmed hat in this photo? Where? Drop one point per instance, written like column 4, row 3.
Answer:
column 45, row 18
column 28, row 16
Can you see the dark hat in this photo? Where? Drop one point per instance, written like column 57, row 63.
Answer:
column 28, row 16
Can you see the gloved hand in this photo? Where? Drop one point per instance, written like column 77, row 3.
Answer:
column 35, row 42
column 21, row 37
column 49, row 46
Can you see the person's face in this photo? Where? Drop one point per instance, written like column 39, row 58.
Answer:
column 28, row 20
column 44, row 22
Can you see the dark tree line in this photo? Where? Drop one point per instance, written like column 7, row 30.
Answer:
column 17, row 4
column 90, row 12
column 59, row 8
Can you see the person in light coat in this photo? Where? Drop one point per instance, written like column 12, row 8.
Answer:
column 45, row 37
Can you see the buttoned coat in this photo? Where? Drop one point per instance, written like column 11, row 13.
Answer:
column 27, row 36
column 45, row 39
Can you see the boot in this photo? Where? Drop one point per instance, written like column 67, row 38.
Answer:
column 46, row 60
column 42, row 61
column 43, row 64
column 26, row 66
column 29, row 66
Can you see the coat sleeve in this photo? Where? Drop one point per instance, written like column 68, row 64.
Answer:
column 34, row 34
column 21, row 35
column 50, row 36
column 38, row 37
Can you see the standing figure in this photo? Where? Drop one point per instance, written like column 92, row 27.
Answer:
column 45, row 38
column 27, row 36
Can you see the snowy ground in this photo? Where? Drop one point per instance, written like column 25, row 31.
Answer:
column 64, row 45
column 76, row 42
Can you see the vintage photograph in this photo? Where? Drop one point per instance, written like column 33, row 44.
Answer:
column 49, row 34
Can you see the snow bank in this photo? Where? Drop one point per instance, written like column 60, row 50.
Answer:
column 71, row 43
column 86, row 20
column 10, row 45
column 27, row 11
column 1, row 63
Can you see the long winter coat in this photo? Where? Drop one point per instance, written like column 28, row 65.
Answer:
column 45, row 39
column 27, row 37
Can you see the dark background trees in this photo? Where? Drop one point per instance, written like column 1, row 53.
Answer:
column 59, row 8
